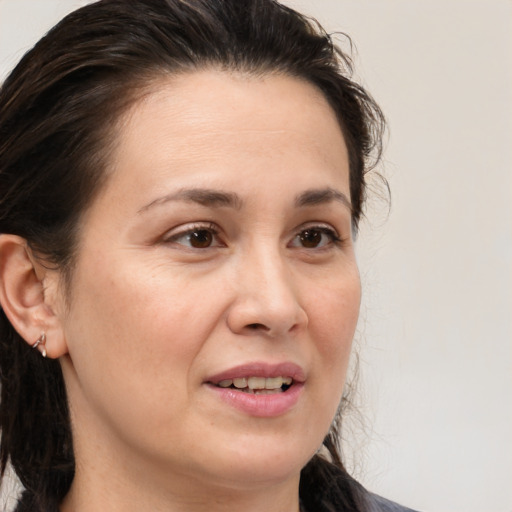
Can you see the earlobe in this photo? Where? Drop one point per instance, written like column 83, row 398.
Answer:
column 24, row 299
column 41, row 344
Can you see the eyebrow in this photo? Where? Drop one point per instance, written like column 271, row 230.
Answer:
column 202, row 196
column 216, row 198
column 314, row 197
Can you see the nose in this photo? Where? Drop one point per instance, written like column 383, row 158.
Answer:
column 266, row 297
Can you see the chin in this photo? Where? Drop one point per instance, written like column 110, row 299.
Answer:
column 261, row 462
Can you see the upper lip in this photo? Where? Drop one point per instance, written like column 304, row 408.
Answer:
column 260, row 369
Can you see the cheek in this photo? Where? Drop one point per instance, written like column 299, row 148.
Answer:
column 335, row 311
column 333, row 320
column 138, row 323
column 132, row 344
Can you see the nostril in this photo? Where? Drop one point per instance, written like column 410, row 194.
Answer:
column 255, row 327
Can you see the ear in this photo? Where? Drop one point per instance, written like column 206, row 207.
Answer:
column 29, row 295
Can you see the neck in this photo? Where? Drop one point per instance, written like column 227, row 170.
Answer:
column 91, row 492
column 108, row 477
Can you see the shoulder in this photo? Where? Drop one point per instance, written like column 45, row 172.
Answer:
column 379, row 504
column 326, row 487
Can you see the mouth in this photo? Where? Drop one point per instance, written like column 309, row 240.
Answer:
column 257, row 385
column 259, row 378
column 260, row 389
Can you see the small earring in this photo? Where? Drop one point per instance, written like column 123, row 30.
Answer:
column 41, row 341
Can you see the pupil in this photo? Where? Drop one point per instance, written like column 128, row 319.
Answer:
column 311, row 238
column 200, row 239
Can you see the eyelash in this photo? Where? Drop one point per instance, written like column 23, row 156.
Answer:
column 196, row 228
column 331, row 233
column 212, row 232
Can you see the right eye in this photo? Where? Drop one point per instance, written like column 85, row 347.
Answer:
column 199, row 236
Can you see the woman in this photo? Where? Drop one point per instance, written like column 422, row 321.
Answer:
column 181, row 185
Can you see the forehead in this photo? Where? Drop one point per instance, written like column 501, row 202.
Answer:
column 212, row 124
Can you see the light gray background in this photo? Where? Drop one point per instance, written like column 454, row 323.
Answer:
column 435, row 337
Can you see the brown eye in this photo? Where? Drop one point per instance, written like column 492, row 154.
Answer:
column 315, row 237
column 200, row 239
column 311, row 238
column 196, row 237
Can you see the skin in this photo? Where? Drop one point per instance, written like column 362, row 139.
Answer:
column 151, row 317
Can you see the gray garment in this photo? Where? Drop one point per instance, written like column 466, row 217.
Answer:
column 379, row 504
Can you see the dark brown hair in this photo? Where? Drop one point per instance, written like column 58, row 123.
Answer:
column 58, row 114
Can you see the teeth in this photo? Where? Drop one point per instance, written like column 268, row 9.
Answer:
column 273, row 383
column 240, row 383
column 256, row 383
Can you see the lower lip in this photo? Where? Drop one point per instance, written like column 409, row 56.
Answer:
column 263, row 406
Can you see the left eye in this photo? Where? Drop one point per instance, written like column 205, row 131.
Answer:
column 315, row 237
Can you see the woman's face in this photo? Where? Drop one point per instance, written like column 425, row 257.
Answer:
column 216, row 261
